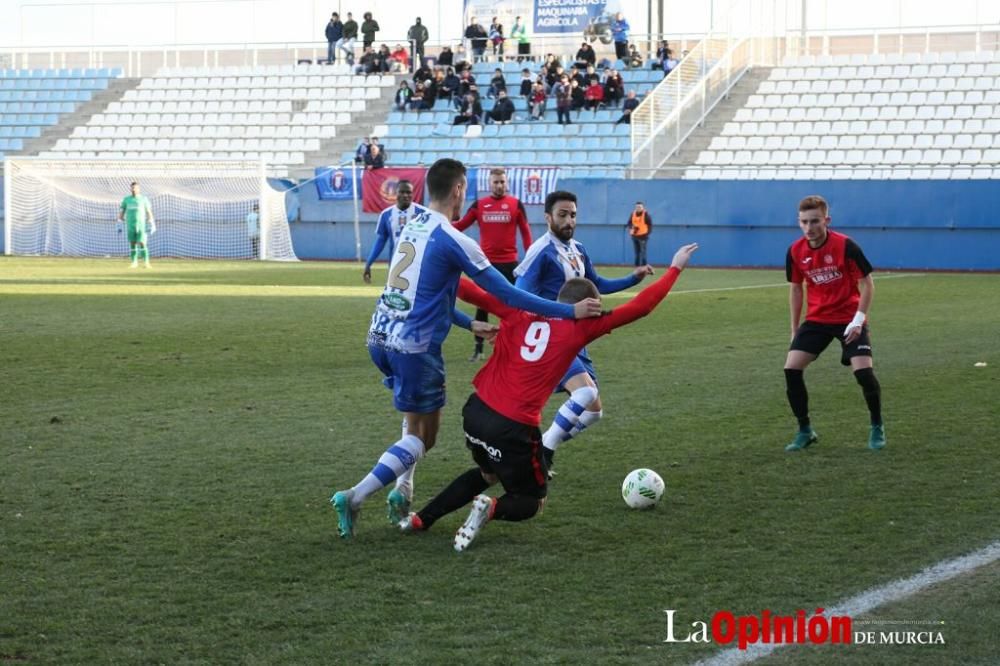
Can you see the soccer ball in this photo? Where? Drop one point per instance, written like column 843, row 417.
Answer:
column 642, row 489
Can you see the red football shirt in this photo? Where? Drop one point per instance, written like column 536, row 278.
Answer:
column 532, row 353
column 831, row 273
column 499, row 221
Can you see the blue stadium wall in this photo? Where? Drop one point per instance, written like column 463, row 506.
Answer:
column 939, row 224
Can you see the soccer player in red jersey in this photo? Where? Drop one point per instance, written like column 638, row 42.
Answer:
column 502, row 416
column 500, row 217
column 833, row 266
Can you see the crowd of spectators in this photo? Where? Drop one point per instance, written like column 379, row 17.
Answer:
column 450, row 83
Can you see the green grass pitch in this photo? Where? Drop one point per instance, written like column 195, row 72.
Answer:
column 169, row 440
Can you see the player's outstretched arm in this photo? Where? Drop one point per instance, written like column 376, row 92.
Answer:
column 613, row 285
column 469, row 292
column 495, row 283
column 647, row 299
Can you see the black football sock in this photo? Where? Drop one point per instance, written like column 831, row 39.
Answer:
column 872, row 392
column 459, row 492
column 798, row 396
column 515, row 507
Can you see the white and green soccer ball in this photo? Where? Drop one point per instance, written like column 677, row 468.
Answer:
column 642, row 488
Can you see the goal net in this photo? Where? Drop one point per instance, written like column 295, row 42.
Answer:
column 201, row 208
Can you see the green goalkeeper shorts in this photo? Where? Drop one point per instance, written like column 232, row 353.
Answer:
column 137, row 234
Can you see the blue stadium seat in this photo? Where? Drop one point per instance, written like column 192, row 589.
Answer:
column 491, row 130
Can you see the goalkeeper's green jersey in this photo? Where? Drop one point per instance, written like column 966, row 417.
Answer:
column 135, row 208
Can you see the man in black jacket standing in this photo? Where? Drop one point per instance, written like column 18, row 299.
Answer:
column 477, row 37
column 334, row 33
column 418, row 36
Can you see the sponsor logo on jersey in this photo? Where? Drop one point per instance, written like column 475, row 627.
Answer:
column 396, row 302
column 824, row 275
column 496, row 217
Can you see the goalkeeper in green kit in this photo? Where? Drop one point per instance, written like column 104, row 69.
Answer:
column 135, row 211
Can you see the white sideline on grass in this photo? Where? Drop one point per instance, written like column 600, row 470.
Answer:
column 872, row 599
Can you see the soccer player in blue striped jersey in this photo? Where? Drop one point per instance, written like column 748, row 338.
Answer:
column 390, row 223
column 411, row 321
column 550, row 261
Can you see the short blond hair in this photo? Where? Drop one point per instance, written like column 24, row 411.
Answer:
column 814, row 201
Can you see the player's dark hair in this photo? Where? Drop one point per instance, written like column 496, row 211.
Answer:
column 575, row 290
column 556, row 197
column 133, row 183
column 404, row 182
column 442, row 177
column 814, row 201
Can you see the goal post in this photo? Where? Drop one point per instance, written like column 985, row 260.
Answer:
column 201, row 208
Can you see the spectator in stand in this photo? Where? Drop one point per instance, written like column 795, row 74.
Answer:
column 446, row 58
column 503, row 109
column 368, row 29
column 461, row 59
column 564, row 100
column 576, row 74
column 399, row 59
column 553, row 77
column 362, row 151
column 349, row 38
column 538, row 102
column 470, row 113
column 448, row 87
column 630, row 105
column 418, row 36
column 465, row 84
column 520, row 33
column 334, row 33
column 383, row 59
column 634, row 57
column 663, row 51
column 526, row 86
column 477, row 37
column 403, row 95
column 669, row 64
column 368, row 63
column 591, row 73
column 614, row 88
column 585, row 56
column 619, row 33
column 497, row 83
column 430, row 92
column 594, row 95
column 417, row 101
column 381, row 149
column 422, row 74
column 496, row 37
column 374, row 159
column 576, row 95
